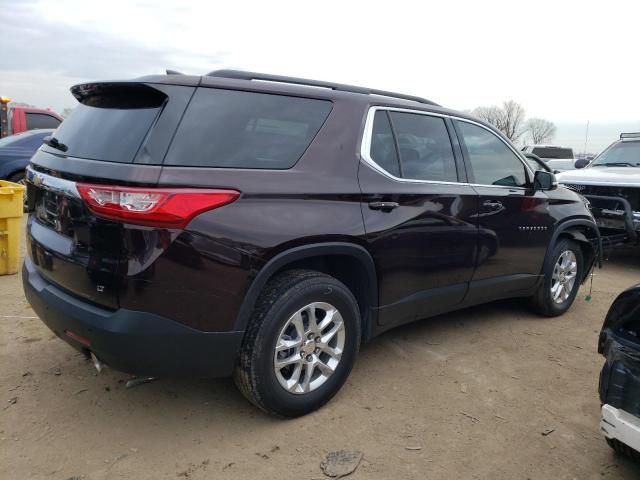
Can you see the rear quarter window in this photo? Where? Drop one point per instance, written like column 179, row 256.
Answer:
column 237, row 129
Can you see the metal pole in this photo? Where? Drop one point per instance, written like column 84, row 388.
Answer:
column 586, row 136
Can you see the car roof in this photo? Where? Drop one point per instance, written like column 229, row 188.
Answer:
column 251, row 81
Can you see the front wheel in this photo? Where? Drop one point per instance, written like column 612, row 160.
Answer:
column 300, row 344
column 563, row 273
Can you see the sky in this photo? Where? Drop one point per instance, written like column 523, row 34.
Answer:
column 566, row 61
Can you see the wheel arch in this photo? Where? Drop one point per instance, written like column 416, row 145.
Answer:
column 350, row 263
column 579, row 230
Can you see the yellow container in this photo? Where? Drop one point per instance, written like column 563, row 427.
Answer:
column 11, row 211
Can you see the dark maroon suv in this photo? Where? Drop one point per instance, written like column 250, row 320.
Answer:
column 266, row 226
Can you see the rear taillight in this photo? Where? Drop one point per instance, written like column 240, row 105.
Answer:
column 154, row 207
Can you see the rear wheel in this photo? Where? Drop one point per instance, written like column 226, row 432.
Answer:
column 563, row 272
column 300, row 344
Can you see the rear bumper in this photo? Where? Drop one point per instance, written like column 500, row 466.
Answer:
column 620, row 425
column 131, row 341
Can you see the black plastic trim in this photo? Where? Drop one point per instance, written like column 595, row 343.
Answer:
column 131, row 341
column 308, row 251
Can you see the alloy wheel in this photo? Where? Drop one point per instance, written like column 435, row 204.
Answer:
column 309, row 348
column 564, row 276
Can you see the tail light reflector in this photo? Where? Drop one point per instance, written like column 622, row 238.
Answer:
column 154, row 207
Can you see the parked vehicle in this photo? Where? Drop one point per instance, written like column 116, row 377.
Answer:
column 265, row 226
column 20, row 119
column 15, row 152
column 619, row 385
column 611, row 182
column 536, row 163
column 559, row 159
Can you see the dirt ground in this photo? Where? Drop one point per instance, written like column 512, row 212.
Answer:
column 461, row 396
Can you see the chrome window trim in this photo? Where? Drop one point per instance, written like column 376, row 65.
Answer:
column 365, row 147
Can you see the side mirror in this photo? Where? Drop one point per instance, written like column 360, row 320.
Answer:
column 543, row 180
column 583, row 162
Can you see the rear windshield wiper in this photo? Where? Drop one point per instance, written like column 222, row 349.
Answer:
column 53, row 142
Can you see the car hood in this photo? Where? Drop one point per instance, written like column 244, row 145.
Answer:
column 618, row 176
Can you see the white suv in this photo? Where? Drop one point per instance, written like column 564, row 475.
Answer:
column 611, row 182
column 559, row 159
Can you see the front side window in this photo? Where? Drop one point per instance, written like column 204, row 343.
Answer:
column 493, row 163
column 41, row 120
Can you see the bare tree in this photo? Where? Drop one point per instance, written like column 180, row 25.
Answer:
column 513, row 120
column 509, row 118
column 492, row 115
column 540, row 130
column 66, row 112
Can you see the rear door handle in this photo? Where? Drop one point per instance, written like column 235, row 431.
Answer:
column 492, row 204
column 385, row 206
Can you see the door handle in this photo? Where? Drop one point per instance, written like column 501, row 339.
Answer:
column 384, row 206
column 492, row 204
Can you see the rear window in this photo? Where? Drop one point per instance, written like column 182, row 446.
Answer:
column 236, row 129
column 111, row 121
column 553, row 152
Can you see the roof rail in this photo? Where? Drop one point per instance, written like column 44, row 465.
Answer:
column 242, row 75
column 629, row 135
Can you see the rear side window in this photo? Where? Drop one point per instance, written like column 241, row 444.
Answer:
column 424, row 146
column 41, row 120
column 236, row 129
column 111, row 121
column 493, row 163
column 553, row 152
column 383, row 147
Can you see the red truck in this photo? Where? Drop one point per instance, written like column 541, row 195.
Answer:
column 19, row 119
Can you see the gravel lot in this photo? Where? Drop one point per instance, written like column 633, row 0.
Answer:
column 461, row 396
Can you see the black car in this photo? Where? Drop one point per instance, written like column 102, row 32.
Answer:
column 619, row 343
column 266, row 226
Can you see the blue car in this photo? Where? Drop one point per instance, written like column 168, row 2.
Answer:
column 17, row 150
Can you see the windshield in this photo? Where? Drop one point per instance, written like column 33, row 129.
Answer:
column 621, row 153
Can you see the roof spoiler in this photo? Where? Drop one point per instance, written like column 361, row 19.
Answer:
column 241, row 75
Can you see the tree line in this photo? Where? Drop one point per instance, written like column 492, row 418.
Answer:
column 510, row 119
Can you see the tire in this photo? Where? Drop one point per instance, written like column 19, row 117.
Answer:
column 291, row 295
column 622, row 449
column 543, row 301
